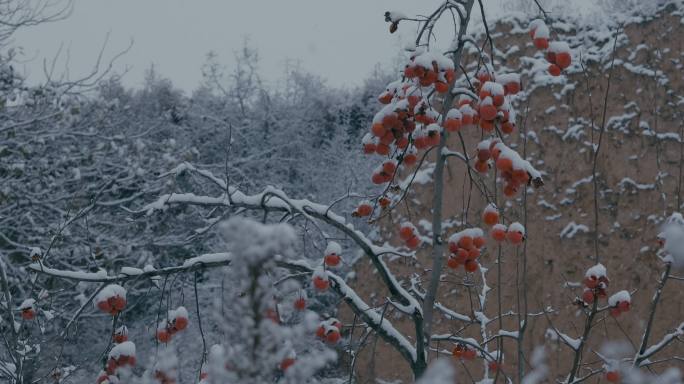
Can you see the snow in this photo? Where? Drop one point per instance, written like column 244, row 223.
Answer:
column 441, row 371
column 596, row 271
column 179, row 312
column 516, row 227
column 673, row 235
column 621, row 296
column 27, row 304
column 130, row 271
column 127, row 348
column 518, row 162
column 333, row 248
column 571, row 229
column 111, row 290
column 379, row 322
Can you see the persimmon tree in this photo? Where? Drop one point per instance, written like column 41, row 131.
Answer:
column 442, row 110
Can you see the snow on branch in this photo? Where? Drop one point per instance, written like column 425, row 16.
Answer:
column 375, row 320
column 667, row 339
column 274, row 200
column 127, row 273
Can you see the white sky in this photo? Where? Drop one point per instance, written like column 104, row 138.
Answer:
column 340, row 40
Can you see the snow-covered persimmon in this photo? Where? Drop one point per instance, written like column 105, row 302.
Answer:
column 363, row 209
column 121, row 334
column 516, row 233
column 28, row 309
column 163, row 335
column 498, row 232
column 332, row 254
column 320, row 279
column 111, row 299
column 490, row 215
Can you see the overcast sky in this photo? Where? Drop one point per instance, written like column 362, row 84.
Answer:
column 340, row 40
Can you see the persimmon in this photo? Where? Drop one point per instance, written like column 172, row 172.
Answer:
column 369, row 148
column 332, row 260
column 377, row 129
column 473, row 254
column 382, row 149
column 121, row 334
column 117, row 304
column 457, row 352
column 481, row 166
column 320, row 332
column 332, row 337
column 441, row 87
column 320, row 283
column 402, row 142
column 512, row 87
column 563, row 59
column 413, row 242
column 389, row 167
column 487, row 125
column 541, row 43
column 163, row 335
column 421, row 142
column 450, row 75
column 624, row 306
column 410, row 159
column 471, row 265
column 613, row 376
column 180, row 323
column 433, row 138
column 504, row 164
column 490, row 217
column 498, row 232
column 554, row 70
column 452, row 263
column 588, row 296
column 551, row 57
column 462, row 255
column 364, row 209
column 286, row 363
column 515, row 237
column 483, row 154
column 479, row 241
column 102, row 378
column 300, row 304
column 28, row 314
column 507, row 127
column 104, row 306
column 521, row 176
column 591, row 282
column 269, row 313
column 469, row 353
column 510, row 190
column 377, row 178
column 465, row 242
column 493, row 366
column 488, row 111
column 406, row 231
column 452, row 125
column 385, row 98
